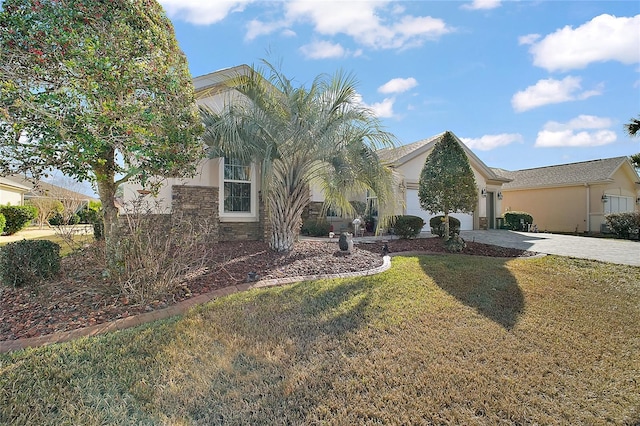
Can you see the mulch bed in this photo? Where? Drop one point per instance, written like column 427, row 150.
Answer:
column 81, row 297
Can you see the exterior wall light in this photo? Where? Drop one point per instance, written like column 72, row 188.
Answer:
column 483, row 192
column 604, row 198
column 499, row 195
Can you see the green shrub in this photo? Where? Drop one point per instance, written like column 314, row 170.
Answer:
column 27, row 262
column 407, row 226
column 316, row 228
column 3, row 222
column 517, row 221
column 437, row 225
column 17, row 217
column 89, row 214
column 624, row 224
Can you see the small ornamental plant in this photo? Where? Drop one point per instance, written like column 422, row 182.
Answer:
column 28, row 262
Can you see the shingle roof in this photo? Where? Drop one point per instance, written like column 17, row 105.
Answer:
column 563, row 174
column 392, row 155
column 46, row 189
column 399, row 155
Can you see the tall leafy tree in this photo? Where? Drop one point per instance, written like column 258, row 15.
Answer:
column 300, row 136
column 632, row 129
column 98, row 90
column 447, row 184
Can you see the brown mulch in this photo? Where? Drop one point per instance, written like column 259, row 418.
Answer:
column 80, row 297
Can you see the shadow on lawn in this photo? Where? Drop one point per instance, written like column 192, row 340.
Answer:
column 482, row 283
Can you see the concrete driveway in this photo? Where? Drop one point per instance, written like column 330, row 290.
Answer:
column 622, row 252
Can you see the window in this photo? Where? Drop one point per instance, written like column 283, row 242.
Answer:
column 617, row 204
column 237, row 186
column 372, row 204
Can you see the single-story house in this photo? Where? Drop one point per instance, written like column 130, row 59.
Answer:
column 11, row 192
column 226, row 195
column 41, row 189
column 573, row 197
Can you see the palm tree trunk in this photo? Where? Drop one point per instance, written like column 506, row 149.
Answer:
column 289, row 196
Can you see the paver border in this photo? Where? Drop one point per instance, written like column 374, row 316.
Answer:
column 177, row 309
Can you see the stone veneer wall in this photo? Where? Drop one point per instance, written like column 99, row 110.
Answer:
column 250, row 231
column 198, row 204
column 201, row 203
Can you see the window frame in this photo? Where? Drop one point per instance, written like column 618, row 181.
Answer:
column 248, row 216
column 629, row 201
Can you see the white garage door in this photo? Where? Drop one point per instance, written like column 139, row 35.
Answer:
column 413, row 208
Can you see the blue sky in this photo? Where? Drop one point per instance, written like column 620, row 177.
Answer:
column 523, row 83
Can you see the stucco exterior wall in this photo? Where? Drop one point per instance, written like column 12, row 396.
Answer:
column 553, row 209
column 9, row 196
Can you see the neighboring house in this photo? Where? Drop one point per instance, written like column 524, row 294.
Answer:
column 41, row 189
column 573, row 197
column 11, row 192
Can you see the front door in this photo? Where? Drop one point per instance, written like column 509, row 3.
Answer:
column 491, row 210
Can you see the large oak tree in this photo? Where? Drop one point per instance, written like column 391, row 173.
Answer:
column 99, row 90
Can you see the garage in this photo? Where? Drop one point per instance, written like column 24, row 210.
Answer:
column 413, row 208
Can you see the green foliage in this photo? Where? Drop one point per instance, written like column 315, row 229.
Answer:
column 624, row 224
column 84, row 81
column 98, row 229
column 291, row 132
column 17, row 217
column 437, row 225
column 455, row 244
column 316, row 228
column 90, row 213
column 407, row 226
column 3, row 222
column 359, row 207
column 447, row 183
column 27, row 262
column 517, row 221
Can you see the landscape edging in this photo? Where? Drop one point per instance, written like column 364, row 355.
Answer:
column 177, row 309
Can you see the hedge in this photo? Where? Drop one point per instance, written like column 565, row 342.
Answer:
column 407, row 226
column 515, row 220
column 624, row 224
column 17, row 217
column 27, row 262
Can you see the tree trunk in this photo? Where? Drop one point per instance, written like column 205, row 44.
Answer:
column 446, row 226
column 105, row 178
column 287, row 199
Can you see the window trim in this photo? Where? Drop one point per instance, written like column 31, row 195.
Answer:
column 629, row 202
column 250, row 216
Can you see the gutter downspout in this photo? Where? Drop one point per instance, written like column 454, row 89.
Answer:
column 588, row 230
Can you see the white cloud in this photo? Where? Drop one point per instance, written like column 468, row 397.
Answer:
column 257, row 28
column 323, row 50
column 582, row 131
column 202, row 12
column 482, row 4
column 398, row 85
column 382, row 109
column 580, row 122
column 489, row 142
column 528, row 39
column 375, row 24
column 604, row 38
column 551, row 91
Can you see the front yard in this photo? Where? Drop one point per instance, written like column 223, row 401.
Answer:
column 441, row 339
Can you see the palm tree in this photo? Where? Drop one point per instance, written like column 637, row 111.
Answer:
column 633, row 126
column 321, row 135
column 632, row 129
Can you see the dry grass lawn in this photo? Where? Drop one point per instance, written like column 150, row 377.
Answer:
column 435, row 340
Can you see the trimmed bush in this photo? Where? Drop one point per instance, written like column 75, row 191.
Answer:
column 407, row 226
column 3, row 222
column 28, row 262
column 437, row 225
column 517, row 221
column 17, row 217
column 624, row 224
column 316, row 228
